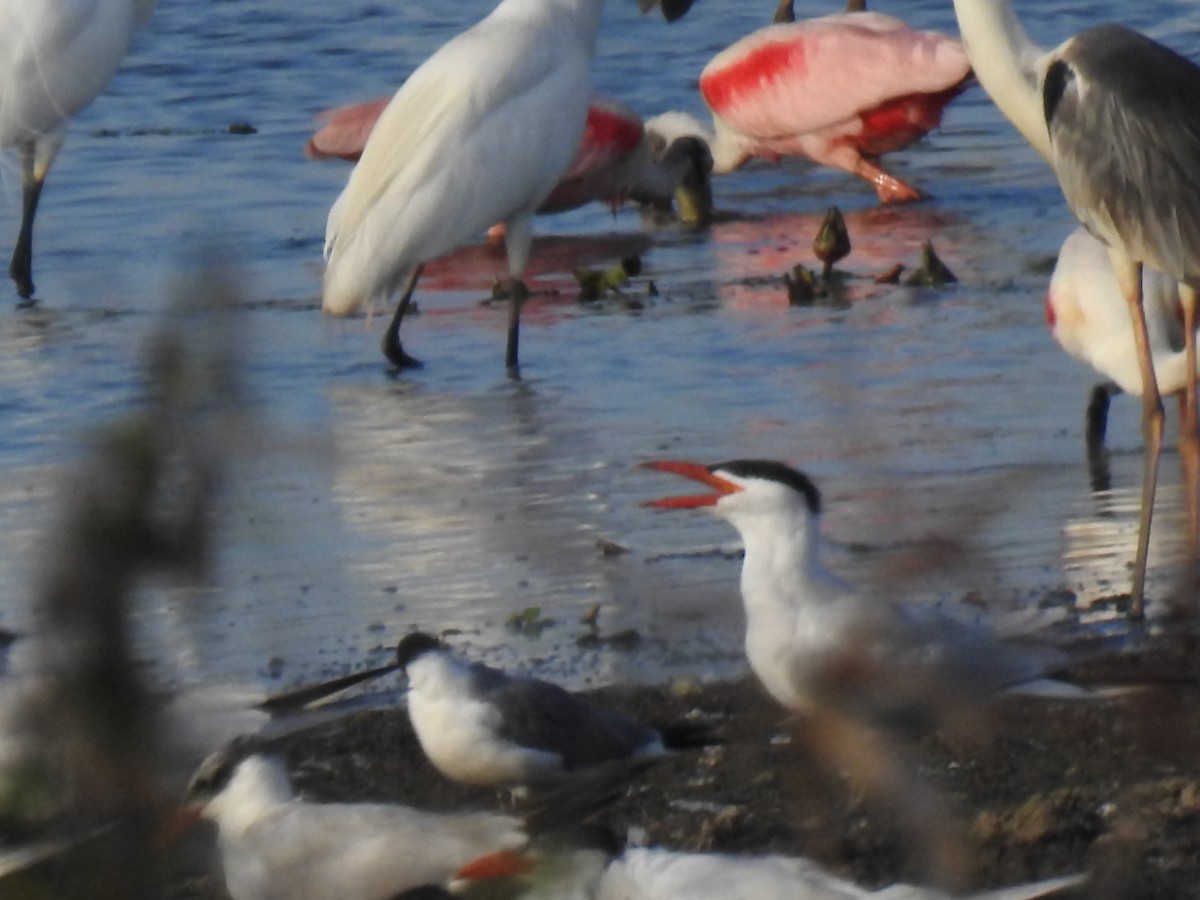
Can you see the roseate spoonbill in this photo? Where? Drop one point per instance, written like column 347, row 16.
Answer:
column 616, row 159
column 478, row 725
column 56, row 56
column 818, row 645
column 1089, row 318
column 842, row 90
column 1114, row 114
column 480, row 133
column 275, row 844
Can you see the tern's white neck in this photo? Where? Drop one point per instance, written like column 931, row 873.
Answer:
column 259, row 785
column 782, row 568
column 1006, row 62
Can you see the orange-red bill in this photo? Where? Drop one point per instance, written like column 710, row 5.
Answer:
column 696, row 472
column 504, row 864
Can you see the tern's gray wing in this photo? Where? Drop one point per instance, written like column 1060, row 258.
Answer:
column 544, row 716
column 1124, row 122
column 970, row 654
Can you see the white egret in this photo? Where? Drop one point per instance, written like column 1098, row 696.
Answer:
column 480, row 133
column 56, row 56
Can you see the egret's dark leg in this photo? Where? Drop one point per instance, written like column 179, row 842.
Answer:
column 1129, row 275
column 1096, row 428
column 518, row 293
column 391, row 338
column 1189, row 447
column 21, row 267
column 518, row 238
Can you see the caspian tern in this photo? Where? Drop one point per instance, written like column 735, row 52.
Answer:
column 478, row 725
column 813, row 640
column 274, row 844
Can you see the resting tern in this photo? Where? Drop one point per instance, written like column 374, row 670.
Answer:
column 651, row 873
column 274, row 844
column 478, row 725
column 812, row 639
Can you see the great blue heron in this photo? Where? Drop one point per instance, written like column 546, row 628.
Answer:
column 1115, row 114
column 55, row 58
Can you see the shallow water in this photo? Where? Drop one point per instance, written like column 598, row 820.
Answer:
column 453, row 497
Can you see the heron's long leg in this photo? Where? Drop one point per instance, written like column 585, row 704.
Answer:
column 1189, row 446
column 1129, row 275
column 21, row 267
column 392, row 348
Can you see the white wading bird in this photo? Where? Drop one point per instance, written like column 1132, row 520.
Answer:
column 658, row 874
column 1115, row 114
column 274, row 844
column 617, row 160
column 478, row 725
column 842, row 90
column 480, row 133
column 56, row 56
column 818, row 644
column 1089, row 318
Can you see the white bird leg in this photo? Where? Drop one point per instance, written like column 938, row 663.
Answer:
column 392, row 348
column 1189, row 447
column 1129, row 275
column 21, row 267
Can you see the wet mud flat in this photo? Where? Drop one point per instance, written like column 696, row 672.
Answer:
column 1033, row 789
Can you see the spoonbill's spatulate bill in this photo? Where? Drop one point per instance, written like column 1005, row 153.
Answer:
column 56, row 56
column 480, row 133
column 1115, row 114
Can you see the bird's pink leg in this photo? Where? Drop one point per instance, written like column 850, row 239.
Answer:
column 1189, row 446
column 1129, row 276
column 889, row 188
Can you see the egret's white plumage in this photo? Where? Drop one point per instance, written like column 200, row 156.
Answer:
column 1114, row 113
column 274, row 844
column 480, row 133
column 56, row 56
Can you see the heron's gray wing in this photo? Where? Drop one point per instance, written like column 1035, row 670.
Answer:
column 1124, row 122
column 545, row 716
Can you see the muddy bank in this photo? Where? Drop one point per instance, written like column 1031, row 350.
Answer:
column 1035, row 788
